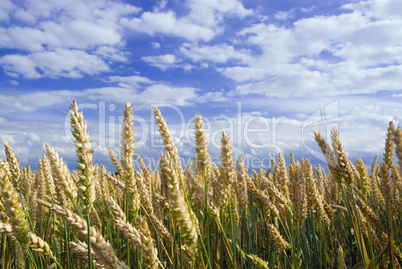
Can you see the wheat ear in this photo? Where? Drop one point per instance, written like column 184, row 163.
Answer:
column 14, row 166
column 184, row 216
column 61, row 173
column 280, row 243
column 126, row 157
column 14, row 208
column 201, row 152
column 115, row 162
column 99, row 245
column 86, row 169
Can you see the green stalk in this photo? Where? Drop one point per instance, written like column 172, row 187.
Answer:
column 66, row 245
column 232, row 231
column 3, row 259
column 129, row 220
column 206, row 222
column 89, row 240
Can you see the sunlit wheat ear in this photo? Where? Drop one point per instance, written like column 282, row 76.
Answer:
column 282, row 176
column 141, row 241
column 375, row 189
column 313, row 196
column 156, row 182
column 227, row 175
column 117, row 212
column 343, row 163
column 272, row 190
column 150, row 254
column 386, row 185
column 115, row 162
column 241, row 184
column 164, row 177
column 199, row 195
column 39, row 245
column 299, row 193
column 61, row 174
column 126, row 158
column 127, row 138
column 279, row 242
column 13, row 164
column 144, row 169
column 86, row 169
column 364, row 178
column 389, row 145
column 6, row 229
column 168, row 141
column 320, row 179
column 398, row 147
column 46, row 173
column 135, row 236
column 81, row 249
column 149, row 209
column 35, row 243
column 328, row 154
column 14, row 209
column 98, row 243
column 26, row 184
column 183, row 215
column 226, row 167
column 201, row 148
column 264, row 201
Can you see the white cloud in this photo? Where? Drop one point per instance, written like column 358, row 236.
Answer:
column 51, row 30
column 133, row 81
column 325, row 55
column 160, row 93
column 57, row 63
column 203, row 22
column 217, row 54
column 165, row 59
column 167, row 23
column 69, row 63
column 76, row 9
column 283, row 16
column 6, row 6
column 33, row 101
column 17, row 64
column 161, row 61
column 212, row 12
column 155, row 45
column 81, row 34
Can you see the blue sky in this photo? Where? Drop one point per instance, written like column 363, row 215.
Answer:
column 266, row 72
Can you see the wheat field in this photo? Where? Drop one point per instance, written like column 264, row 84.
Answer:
column 204, row 215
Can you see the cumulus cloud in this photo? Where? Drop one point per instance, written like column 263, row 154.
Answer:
column 168, row 23
column 203, row 21
column 31, row 102
column 6, row 7
column 81, row 34
column 217, row 54
column 166, row 61
column 131, row 81
column 326, row 55
column 57, row 63
column 14, row 65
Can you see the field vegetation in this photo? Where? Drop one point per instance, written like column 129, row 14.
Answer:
column 204, row 215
